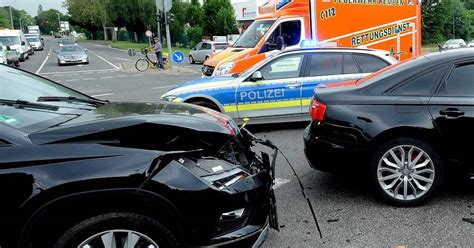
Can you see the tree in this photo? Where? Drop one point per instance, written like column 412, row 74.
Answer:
column 48, row 20
column 4, row 18
column 459, row 21
column 194, row 14
column 217, row 13
column 135, row 15
column 40, row 10
column 92, row 13
column 26, row 19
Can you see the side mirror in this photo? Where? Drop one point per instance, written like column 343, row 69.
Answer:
column 9, row 48
column 85, row 49
column 280, row 43
column 55, row 51
column 440, row 47
column 41, row 38
column 23, row 43
column 256, row 76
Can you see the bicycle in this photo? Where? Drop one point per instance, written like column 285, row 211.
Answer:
column 143, row 64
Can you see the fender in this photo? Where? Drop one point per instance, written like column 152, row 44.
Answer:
column 207, row 97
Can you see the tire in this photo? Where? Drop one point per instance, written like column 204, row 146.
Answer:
column 423, row 178
column 16, row 63
column 149, row 231
column 142, row 65
column 191, row 60
column 206, row 104
column 22, row 58
column 206, row 58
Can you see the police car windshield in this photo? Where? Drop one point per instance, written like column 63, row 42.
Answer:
column 254, row 33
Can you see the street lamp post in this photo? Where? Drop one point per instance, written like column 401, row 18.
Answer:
column 21, row 27
column 11, row 17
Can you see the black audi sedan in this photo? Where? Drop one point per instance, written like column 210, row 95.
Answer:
column 404, row 125
column 76, row 171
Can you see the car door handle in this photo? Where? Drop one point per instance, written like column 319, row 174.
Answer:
column 451, row 112
column 293, row 86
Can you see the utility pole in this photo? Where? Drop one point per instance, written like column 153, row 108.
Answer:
column 59, row 23
column 454, row 26
column 11, row 17
column 168, row 39
column 21, row 27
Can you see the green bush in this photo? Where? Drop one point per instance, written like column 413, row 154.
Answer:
column 194, row 35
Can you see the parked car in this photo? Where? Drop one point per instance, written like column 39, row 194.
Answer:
column 57, row 35
column 31, row 49
column 471, row 44
column 66, row 42
column 16, row 40
column 144, row 174
column 35, row 41
column 72, row 55
column 203, row 50
column 404, row 125
column 280, row 88
column 454, row 43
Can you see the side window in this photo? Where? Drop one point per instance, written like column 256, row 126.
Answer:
column 204, row 46
column 460, row 81
column 369, row 63
column 423, row 85
column 198, row 46
column 324, row 64
column 348, row 65
column 290, row 31
column 285, row 67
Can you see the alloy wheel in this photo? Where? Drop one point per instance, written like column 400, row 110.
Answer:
column 406, row 172
column 118, row 239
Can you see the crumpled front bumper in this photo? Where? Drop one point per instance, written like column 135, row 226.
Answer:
column 249, row 236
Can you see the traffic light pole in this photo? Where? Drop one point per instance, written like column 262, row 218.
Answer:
column 168, row 38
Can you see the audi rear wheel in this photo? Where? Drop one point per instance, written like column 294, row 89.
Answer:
column 406, row 171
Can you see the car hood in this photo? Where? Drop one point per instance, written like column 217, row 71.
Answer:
column 201, row 84
column 136, row 122
column 227, row 55
column 71, row 54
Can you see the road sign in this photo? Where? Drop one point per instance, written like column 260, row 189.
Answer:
column 148, row 33
column 178, row 57
column 164, row 5
column 132, row 52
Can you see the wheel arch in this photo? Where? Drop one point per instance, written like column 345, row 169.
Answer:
column 129, row 200
column 210, row 99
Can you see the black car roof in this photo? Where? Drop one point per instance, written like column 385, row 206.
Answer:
column 449, row 55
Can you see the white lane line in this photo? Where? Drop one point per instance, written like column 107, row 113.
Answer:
column 88, row 79
column 72, row 80
column 102, row 58
column 164, row 87
column 137, row 75
column 122, row 76
column 44, row 62
column 87, row 73
column 107, row 77
column 105, row 94
column 124, row 59
column 280, row 182
column 68, row 72
column 58, row 81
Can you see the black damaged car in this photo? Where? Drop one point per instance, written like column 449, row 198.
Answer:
column 76, row 171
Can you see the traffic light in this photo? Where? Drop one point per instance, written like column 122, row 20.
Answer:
column 169, row 17
column 160, row 17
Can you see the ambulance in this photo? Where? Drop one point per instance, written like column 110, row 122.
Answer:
column 391, row 25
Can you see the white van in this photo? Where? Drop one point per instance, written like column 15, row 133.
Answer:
column 16, row 40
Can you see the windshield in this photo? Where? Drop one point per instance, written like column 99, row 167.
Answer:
column 221, row 46
column 32, row 39
column 19, row 85
column 453, row 42
column 10, row 40
column 67, row 42
column 254, row 34
column 68, row 49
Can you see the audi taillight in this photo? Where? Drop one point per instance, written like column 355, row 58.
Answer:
column 317, row 110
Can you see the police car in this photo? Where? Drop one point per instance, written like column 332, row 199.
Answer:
column 280, row 88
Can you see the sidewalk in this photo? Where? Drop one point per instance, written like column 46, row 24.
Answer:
column 176, row 70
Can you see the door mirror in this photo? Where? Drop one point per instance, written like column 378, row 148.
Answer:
column 194, row 49
column 23, row 43
column 9, row 48
column 85, row 49
column 280, row 43
column 256, row 76
column 41, row 38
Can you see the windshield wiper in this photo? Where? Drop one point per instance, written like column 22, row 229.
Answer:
column 71, row 99
column 25, row 104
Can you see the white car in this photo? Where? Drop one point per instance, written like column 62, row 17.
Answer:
column 8, row 57
column 471, row 44
column 35, row 41
column 203, row 50
column 16, row 40
column 454, row 43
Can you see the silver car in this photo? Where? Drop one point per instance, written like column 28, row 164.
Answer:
column 72, row 55
column 204, row 50
column 454, row 43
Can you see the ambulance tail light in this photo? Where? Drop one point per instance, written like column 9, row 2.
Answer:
column 317, row 110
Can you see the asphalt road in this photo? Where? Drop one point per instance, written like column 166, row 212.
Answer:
column 348, row 210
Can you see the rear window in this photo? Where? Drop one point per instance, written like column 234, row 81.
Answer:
column 221, row 46
column 369, row 63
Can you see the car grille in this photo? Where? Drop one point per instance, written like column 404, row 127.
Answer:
column 207, row 70
column 227, row 226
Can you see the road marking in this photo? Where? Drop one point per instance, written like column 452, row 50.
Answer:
column 68, row 72
column 88, row 79
column 122, row 76
column 105, row 94
column 87, row 73
column 279, row 182
column 102, row 58
column 72, row 80
column 58, row 81
column 107, row 77
column 164, row 87
column 124, row 59
column 137, row 75
column 44, row 62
